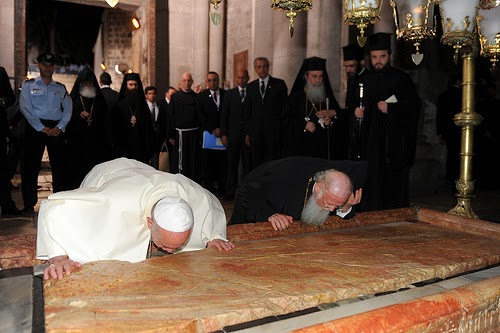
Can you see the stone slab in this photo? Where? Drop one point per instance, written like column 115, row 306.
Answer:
column 204, row 291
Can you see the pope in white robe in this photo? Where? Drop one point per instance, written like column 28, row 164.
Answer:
column 107, row 217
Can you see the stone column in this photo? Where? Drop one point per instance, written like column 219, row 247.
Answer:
column 324, row 37
column 262, row 34
column 19, row 45
column 289, row 52
column 216, row 44
column 200, row 21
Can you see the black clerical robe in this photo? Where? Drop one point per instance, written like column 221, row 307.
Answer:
column 329, row 142
column 283, row 186
column 88, row 140
column 133, row 132
column 185, row 129
column 390, row 138
column 353, row 101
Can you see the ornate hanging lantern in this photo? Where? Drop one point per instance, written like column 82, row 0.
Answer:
column 292, row 6
column 488, row 26
column 458, row 19
column 112, row 3
column 415, row 22
column 362, row 13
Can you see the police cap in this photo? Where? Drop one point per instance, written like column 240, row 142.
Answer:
column 48, row 58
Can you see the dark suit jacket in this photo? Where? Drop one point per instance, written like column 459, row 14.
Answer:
column 9, row 98
column 207, row 110
column 232, row 116
column 110, row 96
column 267, row 117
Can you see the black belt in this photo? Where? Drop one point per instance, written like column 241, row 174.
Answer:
column 49, row 123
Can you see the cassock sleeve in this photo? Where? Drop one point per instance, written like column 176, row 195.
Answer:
column 215, row 223
column 46, row 246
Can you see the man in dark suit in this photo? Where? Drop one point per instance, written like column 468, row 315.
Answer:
column 110, row 96
column 158, row 118
column 214, row 161
column 268, row 108
column 232, row 134
column 7, row 98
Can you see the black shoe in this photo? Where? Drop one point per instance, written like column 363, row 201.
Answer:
column 28, row 210
column 11, row 211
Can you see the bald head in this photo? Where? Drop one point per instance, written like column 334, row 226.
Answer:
column 333, row 190
column 242, row 77
column 338, row 184
column 186, row 81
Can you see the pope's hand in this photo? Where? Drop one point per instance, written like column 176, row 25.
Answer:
column 220, row 245
column 280, row 221
column 58, row 267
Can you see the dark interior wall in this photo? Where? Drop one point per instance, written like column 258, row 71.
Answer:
column 162, row 42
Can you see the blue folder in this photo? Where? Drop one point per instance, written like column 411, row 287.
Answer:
column 211, row 142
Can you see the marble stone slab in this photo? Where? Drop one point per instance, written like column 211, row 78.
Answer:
column 204, row 291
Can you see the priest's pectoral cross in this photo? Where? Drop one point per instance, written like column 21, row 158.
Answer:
column 133, row 120
column 89, row 121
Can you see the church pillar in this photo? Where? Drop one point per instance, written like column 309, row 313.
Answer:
column 262, row 34
column 20, row 61
column 288, row 52
column 216, row 45
column 201, row 27
column 324, row 37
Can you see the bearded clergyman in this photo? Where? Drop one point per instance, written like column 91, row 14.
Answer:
column 316, row 120
column 89, row 130
column 299, row 188
column 133, row 132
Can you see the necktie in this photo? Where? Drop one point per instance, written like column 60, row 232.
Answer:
column 215, row 97
column 153, row 113
column 262, row 88
column 242, row 94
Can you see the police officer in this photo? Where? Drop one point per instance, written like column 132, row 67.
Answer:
column 47, row 107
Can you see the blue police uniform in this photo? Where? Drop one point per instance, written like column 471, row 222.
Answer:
column 43, row 106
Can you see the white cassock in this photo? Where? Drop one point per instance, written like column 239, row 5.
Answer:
column 106, row 218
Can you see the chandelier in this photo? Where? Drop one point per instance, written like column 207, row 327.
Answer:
column 415, row 22
column 488, row 26
column 361, row 13
column 292, row 6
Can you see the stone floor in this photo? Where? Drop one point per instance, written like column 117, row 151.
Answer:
column 16, row 299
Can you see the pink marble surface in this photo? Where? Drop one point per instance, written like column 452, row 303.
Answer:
column 206, row 290
column 472, row 308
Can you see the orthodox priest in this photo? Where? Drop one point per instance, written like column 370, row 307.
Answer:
column 120, row 209
column 354, row 65
column 317, row 125
column 299, row 188
column 133, row 132
column 89, row 131
column 390, row 119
